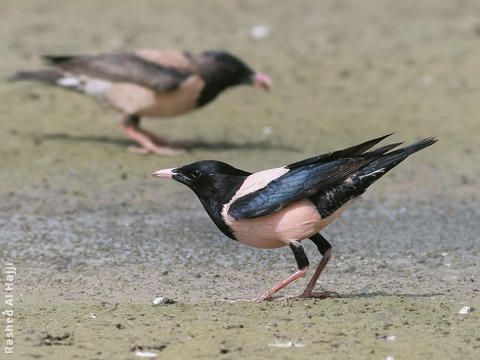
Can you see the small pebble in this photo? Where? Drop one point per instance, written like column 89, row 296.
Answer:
column 267, row 130
column 145, row 354
column 162, row 300
column 387, row 337
column 259, row 31
column 465, row 310
column 289, row 344
column 427, row 80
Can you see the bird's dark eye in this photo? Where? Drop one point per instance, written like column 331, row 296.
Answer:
column 195, row 174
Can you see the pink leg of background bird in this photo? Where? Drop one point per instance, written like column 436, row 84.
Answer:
column 143, row 137
column 156, row 138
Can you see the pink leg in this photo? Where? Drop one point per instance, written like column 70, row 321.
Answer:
column 308, row 292
column 267, row 295
column 302, row 262
column 270, row 292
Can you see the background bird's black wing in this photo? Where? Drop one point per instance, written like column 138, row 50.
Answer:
column 124, row 67
column 305, row 178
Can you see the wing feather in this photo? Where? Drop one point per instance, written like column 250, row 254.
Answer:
column 344, row 153
column 123, row 67
column 306, row 178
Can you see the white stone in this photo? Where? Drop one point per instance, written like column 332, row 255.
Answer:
column 465, row 310
column 259, row 31
column 267, row 130
column 288, row 344
column 162, row 300
column 145, row 354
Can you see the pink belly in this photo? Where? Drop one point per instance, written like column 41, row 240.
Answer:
column 293, row 223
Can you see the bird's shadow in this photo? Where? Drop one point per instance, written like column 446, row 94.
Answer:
column 340, row 296
column 189, row 145
column 362, row 296
column 384, row 294
column 227, row 145
column 84, row 139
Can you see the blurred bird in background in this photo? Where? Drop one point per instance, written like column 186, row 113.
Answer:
column 148, row 82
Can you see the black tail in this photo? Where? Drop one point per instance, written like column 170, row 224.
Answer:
column 49, row 76
column 380, row 166
column 330, row 200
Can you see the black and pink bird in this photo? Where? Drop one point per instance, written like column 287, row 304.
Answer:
column 148, row 82
column 285, row 205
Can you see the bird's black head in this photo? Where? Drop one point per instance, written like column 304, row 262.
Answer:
column 226, row 69
column 208, row 178
column 222, row 70
column 214, row 182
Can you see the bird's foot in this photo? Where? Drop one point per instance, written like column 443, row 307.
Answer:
column 148, row 145
column 304, row 295
column 155, row 150
column 257, row 299
column 138, row 150
column 318, row 295
column 164, row 142
column 233, row 301
column 260, row 299
column 158, row 139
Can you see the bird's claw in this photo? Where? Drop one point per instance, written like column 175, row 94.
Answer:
column 258, row 299
column 138, row 150
column 304, row 295
column 318, row 295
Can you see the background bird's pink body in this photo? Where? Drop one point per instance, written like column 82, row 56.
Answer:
column 136, row 99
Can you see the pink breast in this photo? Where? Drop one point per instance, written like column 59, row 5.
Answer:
column 296, row 222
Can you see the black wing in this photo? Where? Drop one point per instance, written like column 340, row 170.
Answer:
column 123, row 67
column 304, row 179
column 348, row 152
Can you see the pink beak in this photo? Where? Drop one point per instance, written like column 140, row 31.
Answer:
column 164, row 173
column 262, row 81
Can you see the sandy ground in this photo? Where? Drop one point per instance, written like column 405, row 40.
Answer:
column 94, row 238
